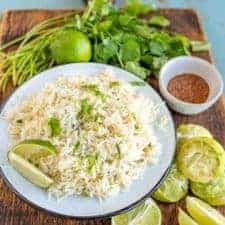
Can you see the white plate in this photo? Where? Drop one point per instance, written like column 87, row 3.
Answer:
column 86, row 207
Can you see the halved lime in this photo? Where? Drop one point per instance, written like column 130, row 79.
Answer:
column 33, row 150
column 147, row 213
column 185, row 219
column 203, row 213
column 186, row 131
column 29, row 171
column 174, row 187
column 212, row 192
column 201, row 159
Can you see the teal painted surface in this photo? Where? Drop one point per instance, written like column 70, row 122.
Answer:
column 27, row 4
column 211, row 11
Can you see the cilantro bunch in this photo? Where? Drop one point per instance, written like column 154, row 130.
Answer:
column 121, row 37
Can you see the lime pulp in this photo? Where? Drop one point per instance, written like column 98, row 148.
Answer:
column 29, row 171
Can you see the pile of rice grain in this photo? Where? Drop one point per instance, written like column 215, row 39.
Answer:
column 111, row 150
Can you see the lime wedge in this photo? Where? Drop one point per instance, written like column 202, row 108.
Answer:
column 33, row 150
column 185, row 219
column 29, row 171
column 201, row 159
column 186, row 131
column 173, row 188
column 147, row 213
column 212, row 192
column 203, row 213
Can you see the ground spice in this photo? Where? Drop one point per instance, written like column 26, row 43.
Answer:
column 189, row 88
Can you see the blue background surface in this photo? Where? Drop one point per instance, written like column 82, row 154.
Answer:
column 212, row 13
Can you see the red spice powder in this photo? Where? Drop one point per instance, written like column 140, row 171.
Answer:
column 189, row 88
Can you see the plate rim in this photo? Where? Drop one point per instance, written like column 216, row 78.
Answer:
column 104, row 215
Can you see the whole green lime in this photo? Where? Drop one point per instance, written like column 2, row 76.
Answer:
column 71, row 46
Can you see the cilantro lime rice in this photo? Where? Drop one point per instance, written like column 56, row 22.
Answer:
column 101, row 128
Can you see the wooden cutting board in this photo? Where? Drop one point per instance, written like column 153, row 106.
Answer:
column 13, row 210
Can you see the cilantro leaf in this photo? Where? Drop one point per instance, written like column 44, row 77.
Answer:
column 94, row 89
column 177, row 48
column 125, row 19
column 86, row 108
column 135, row 68
column 113, row 84
column 105, row 51
column 54, row 125
column 130, row 51
column 144, row 31
column 104, row 25
column 76, row 146
column 147, row 60
column 136, row 7
column 156, row 48
column 159, row 21
column 157, row 63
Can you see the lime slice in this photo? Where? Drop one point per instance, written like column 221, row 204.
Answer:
column 174, row 187
column 186, row 131
column 212, row 192
column 33, row 150
column 29, row 171
column 201, row 159
column 203, row 213
column 185, row 219
column 147, row 213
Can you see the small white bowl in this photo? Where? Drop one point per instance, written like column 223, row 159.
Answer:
column 193, row 65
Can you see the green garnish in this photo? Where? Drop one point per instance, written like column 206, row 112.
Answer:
column 90, row 160
column 137, row 83
column 118, row 150
column 113, row 84
column 86, row 108
column 94, row 89
column 137, row 126
column 98, row 117
column 159, row 21
column 54, row 125
column 135, row 68
column 199, row 46
column 76, row 146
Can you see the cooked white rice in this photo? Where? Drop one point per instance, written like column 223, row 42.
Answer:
column 115, row 141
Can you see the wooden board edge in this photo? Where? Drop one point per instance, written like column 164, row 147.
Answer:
column 3, row 25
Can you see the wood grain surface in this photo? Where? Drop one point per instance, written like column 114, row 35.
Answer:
column 13, row 210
